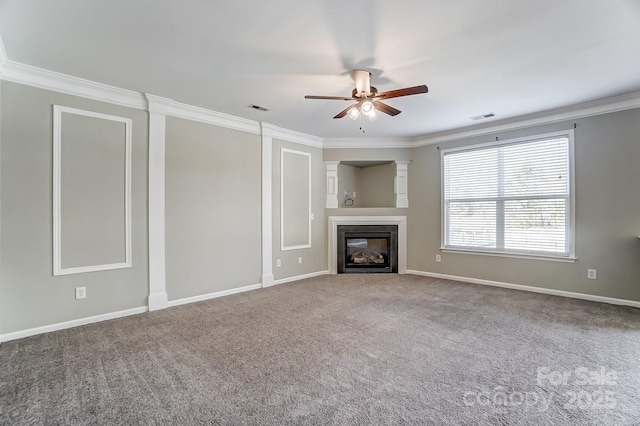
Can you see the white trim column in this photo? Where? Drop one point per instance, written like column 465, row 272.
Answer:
column 267, row 208
column 400, row 184
column 158, row 298
column 332, row 184
column 3, row 58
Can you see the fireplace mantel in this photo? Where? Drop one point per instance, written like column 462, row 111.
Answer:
column 401, row 221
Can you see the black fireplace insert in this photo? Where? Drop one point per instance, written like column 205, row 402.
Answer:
column 367, row 248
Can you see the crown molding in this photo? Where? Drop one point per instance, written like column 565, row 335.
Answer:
column 370, row 143
column 276, row 132
column 160, row 105
column 556, row 115
column 51, row 80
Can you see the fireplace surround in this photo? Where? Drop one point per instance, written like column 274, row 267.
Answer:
column 399, row 221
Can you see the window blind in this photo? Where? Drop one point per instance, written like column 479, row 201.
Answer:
column 512, row 197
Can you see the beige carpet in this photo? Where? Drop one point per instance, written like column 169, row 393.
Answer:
column 347, row 349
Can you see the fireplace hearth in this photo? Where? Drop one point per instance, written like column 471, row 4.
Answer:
column 367, row 249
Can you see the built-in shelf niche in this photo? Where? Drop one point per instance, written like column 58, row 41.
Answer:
column 367, row 184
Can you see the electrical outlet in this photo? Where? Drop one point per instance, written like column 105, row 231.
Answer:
column 354, row 194
column 81, row 292
column 592, row 274
column 278, row 263
column 438, row 258
column 300, row 260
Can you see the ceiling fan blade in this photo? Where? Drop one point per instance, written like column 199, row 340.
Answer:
column 387, row 109
column 344, row 111
column 403, row 92
column 331, row 98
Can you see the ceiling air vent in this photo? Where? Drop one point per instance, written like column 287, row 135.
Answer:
column 259, row 108
column 483, row 116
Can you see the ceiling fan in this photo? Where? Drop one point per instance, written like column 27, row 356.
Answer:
column 367, row 98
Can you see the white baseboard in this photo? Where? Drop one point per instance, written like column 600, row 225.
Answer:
column 217, row 294
column 300, row 277
column 267, row 280
column 553, row 292
column 70, row 324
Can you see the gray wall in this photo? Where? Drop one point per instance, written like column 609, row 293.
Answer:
column 360, row 154
column 295, row 198
column 213, row 227
column 213, row 208
column 31, row 295
column 314, row 259
column 376, row 186
column 349, row 181
column 607, row 150
column 92, row 196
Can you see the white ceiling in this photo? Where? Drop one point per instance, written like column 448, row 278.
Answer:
column 510, row 58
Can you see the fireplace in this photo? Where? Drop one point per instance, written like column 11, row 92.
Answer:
column 367, row 248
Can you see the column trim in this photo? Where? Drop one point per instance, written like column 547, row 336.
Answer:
column 332, row 184
column 158, row 298
column 401, row 184
column 267, row 209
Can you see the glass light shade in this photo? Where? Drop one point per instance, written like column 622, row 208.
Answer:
column 367, row 107
column 354, row 113
column 373, row 115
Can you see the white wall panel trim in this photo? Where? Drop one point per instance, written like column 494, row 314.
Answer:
column 283, row 247
column 57, row 191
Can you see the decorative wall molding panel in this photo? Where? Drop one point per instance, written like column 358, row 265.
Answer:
column 81, row 191
column 295, row 199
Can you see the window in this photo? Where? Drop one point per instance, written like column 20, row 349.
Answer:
column 512, row 197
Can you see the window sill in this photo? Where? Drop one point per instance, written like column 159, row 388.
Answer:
column 567, row 259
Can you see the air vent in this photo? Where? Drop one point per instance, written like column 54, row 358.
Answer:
column 259, row 108
column 483, row 116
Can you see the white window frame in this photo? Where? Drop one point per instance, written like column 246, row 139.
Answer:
column 571, row 233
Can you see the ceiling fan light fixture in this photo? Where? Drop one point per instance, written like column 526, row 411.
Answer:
column 373, row 115
column 367, row 108
column 354, row 113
